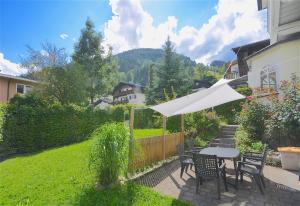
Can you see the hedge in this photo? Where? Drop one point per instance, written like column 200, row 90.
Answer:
column 2, row 112
column 32, row 124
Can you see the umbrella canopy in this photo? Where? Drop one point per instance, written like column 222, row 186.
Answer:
column 204, row 99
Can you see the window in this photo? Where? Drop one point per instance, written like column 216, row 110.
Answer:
column 20, row 88
column 268, row 78
column 23, row 89
column 28, row 88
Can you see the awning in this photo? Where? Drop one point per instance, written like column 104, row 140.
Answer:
column 203, row 99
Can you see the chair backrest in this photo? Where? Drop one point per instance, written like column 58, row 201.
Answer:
column 180, row 149
column 180, row 152
column 190, row 144
column 206, row 165
column 264, row 158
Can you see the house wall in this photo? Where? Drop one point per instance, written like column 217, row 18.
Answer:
column 3, row 90
column 283, row 18
column 134, row 98
column 284, row 58
column 12, row 83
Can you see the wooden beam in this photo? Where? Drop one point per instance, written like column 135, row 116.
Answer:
column 131, row 123
column 164, row 135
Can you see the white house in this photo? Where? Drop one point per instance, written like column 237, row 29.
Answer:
column 131, row 93
column 278, row 61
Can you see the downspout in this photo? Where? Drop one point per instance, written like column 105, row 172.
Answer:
column 8, row 85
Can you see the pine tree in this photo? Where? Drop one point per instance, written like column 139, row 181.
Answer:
column 171, row 77
column 101, row 69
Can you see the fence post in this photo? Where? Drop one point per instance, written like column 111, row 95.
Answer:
column 164, row 136
column 182, row 126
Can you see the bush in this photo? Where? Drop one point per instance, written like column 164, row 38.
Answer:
column 252, row 118
column 245, row 142
column 120, row 113
column 283, row 126
column 32, row 124
column 2, row 112
column 204, row 125
column 109, row 152
column 144, row 118
column 230, row 110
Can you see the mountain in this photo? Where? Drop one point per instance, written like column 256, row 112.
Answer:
column 136, row 57
column 217, row 63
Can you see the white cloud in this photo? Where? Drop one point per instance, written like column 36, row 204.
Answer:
column 235, row 22
column 64, row 36
column 8, row 67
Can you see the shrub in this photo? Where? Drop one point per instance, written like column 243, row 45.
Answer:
column 120, row 113
column 283, row 126
column 2, row 112
column 252, row 118
column 32, row 124
column 245, row 142
column 200, row 142
column 204, row 125
column 230, row 110
column 109, row 152
column 143, row 118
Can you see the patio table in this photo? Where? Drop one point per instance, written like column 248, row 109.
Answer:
column 225, row 153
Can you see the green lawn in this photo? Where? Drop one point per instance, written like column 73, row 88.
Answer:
column 140, row 133
column 61, row 177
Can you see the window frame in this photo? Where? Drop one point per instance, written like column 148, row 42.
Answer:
column 268, row 79
column 25, row 89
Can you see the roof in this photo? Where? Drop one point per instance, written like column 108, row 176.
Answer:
column 291, row 38
column 262, row 43
column 7, row 76
column 129, row 84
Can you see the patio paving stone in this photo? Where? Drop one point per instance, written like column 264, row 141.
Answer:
column 282, row 187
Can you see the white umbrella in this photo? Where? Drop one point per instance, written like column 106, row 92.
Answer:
column 215, row 95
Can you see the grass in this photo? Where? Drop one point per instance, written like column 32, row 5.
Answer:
column 141, row 133
column 61, row 177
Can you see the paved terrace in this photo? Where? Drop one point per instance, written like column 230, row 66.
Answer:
column 282, row 187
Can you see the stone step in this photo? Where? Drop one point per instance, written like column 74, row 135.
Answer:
column 226, row 136
column 232, row 132
column 224, row 140
column 228, row 130
column 222, row 145
column 230, row 126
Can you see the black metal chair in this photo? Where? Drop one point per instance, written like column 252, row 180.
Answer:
column 191, row 146
column 252, row 164
column 185, row 159
column 206, row 166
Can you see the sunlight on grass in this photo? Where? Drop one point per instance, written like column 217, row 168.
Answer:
column 141, row 133
column 61, row 177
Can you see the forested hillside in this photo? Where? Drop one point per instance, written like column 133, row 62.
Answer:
column 134, row 64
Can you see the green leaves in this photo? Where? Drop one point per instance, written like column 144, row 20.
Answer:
column 109, row 152
column 100, row 69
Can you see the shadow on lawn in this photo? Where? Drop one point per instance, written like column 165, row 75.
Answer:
column 120, row 195
column 126, row 195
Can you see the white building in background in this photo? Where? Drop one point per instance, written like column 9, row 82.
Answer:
column 129, row 93
column 278, row 61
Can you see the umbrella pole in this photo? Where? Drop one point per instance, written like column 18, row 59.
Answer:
column 164, row 136
column 182, row 127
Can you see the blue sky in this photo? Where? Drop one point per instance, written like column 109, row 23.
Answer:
column 201, row 29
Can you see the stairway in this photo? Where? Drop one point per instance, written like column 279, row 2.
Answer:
column 225, row 137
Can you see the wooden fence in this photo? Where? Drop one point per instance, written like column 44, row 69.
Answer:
column 152, row 149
